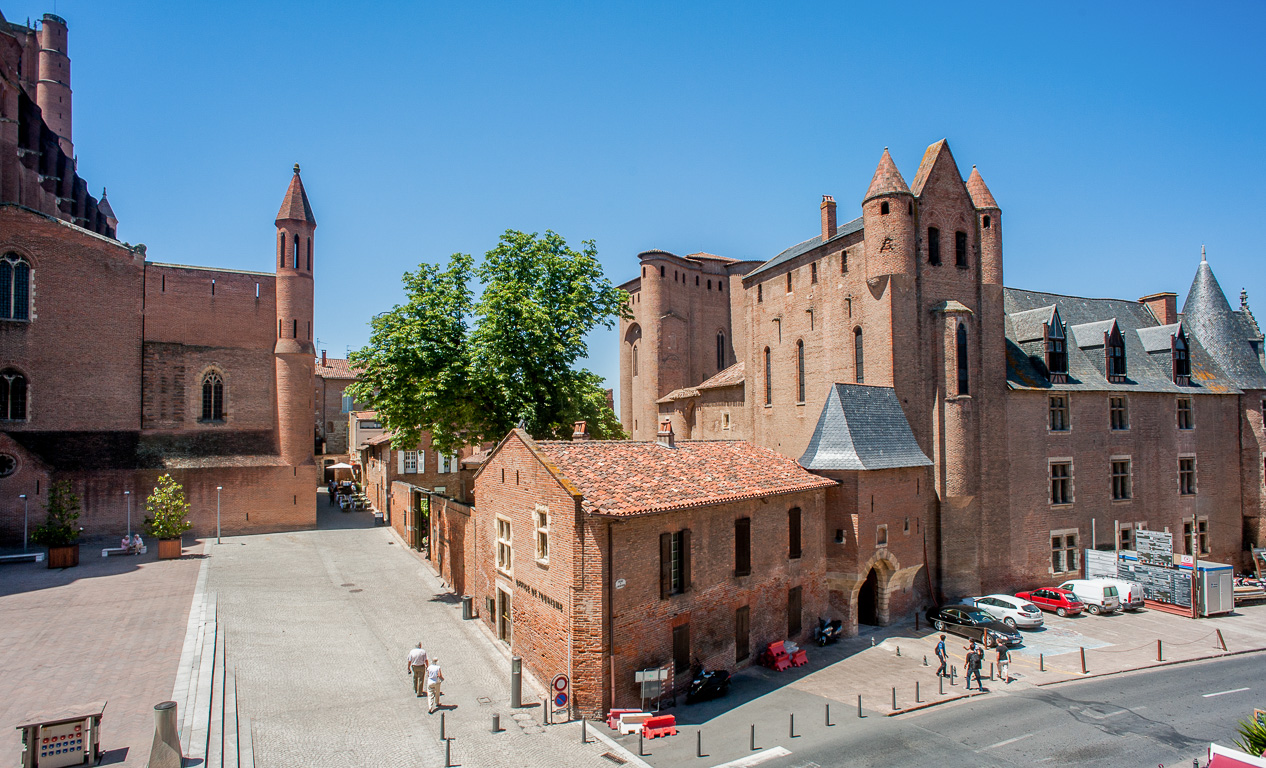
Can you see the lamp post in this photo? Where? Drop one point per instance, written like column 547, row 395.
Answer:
column 26, row 514
column 218, row 488
column 128, row 494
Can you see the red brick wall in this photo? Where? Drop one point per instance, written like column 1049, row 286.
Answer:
column 331, row 420
column 452, row 542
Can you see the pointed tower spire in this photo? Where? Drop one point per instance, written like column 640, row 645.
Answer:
column 294, row 206
column 981, row 197
column 294, row 352
column 1203, row 258
column 887, row 179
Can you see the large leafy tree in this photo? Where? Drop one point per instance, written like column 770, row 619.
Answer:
column 427, row 369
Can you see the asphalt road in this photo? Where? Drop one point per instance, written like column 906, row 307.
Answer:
column 1164, row 716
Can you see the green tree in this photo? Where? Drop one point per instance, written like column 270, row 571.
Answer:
column 426, row 369
column 167, row 510
column 59, row 528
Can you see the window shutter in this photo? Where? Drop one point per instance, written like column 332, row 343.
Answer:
column 793, row 533
column 743, row 546
column 400, row 462
column 685, row 560
column 665, row 565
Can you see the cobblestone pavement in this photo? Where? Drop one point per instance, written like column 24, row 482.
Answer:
column 318, row 624
column 109, row 628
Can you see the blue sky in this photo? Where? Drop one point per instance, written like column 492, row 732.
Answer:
column 1116, row 137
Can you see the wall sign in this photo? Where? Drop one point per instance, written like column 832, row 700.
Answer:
column 619, row 583
column 544, row 598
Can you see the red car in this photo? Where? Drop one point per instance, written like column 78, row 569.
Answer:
column 1061, row 601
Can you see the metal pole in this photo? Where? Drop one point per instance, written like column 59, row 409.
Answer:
column 442, row 737
column 791, row 731
column 448, row 753
column 584, row 738
column 1083, row 659
column 894, row 698
column 128, row 494
column 941, row 680
column 916, row 691
column 752, row 743
column 516, row 682
column 699, row 743
column 1041, row 662
column 859, row 705
column 218, row 488
column 1221, row 640
column 26, row 515
column 991, row 672
column 640, row 736
column 1159, row 652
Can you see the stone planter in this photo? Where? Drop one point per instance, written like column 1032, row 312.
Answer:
column 169, row 549
column 63, row 557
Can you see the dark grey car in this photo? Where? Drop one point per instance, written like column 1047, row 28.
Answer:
column 970, row 621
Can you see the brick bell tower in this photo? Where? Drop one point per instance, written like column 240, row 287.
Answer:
column 294, row 351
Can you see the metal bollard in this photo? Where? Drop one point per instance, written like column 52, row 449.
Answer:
column 941, row 680
column 829, row 724
column 1083, row 660
column 1041, row 662
column 894, row 698
column 699, row 744
column 859, row 705
column 584, row 736
column 925, row 659
column 640, row 752
column 165, row 751
column 916, row 692
column 448, row 753
column 991, row 672
column 442, row 726
column 1160, row 656
column 898, row 650
column 872, row 641
column 516, row 682
column 1221, row 640
column 545, row 713
column 496, row 723
column 953, row 675
column 753, row 740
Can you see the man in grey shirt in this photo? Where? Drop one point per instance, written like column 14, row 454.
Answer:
column 417, row 663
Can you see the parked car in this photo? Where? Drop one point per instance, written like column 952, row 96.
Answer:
column 1131, row 593
column 1011, row 611
column 1098, row 595
column 1061, row 601
column 970, row 621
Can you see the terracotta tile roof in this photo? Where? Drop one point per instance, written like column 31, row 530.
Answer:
column 981, row 197
column 624, row 478
column 335, row 368
column 730, row 377
column 679, row 394
column 365, row 414
column 385, row 437
column 887, row 179
column 295, row 206
column 476, row 459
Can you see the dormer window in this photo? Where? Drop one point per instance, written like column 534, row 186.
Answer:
column 1114, row 349
column 1056, row 351
column 1182, row 363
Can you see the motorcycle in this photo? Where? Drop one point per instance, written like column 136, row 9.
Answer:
column 708, row 685
column 828, row 632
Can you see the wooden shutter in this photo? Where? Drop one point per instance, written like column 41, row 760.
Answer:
column 793, row 533
column 742, row 633
column 665, row 565
column 743, row 546
column 685, row 560
column 793, row 613
column 399, row 462
column 681, row 648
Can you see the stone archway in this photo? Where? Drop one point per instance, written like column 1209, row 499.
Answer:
column 868, row 600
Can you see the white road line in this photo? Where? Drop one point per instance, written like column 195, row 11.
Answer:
column 757, row 759
column 1223, row 693
column 1008, row 741
column 1106, row 715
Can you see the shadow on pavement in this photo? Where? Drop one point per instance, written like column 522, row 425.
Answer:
column 330, row 517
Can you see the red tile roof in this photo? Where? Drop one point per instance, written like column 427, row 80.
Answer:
column 623, row 478
column 365, row 414
column 385, row 437
column 335, row 368
column 730, row 377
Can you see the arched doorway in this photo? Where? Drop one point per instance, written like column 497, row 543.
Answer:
column 868, row 600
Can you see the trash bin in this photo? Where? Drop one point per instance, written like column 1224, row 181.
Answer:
column 468, row 607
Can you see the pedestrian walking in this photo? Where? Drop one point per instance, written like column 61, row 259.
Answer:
column 1004, row 661
column 433, row 679
column 974, row 659
column 417, row 664
column 941, row 654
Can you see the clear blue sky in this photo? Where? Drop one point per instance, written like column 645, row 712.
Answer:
column 1116, row 137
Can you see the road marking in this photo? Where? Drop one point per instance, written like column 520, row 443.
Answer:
column 1008, row 741
column 1106, row 715
column 1223, row 693
column 757, row 759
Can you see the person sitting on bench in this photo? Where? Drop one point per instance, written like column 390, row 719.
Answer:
column 136, row 545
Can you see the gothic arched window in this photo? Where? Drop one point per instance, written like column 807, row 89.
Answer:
column 296, row 251
column 769, row 384
column 309, row 253
column 212, row 397
column 720, row 350
column 960, row 344
column 12, row 396
column 15, row 288
column 1056, row 351
column 281, row 249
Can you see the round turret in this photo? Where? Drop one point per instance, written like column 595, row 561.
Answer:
column 989, row 219
column 52, row 92
column 294, row 352
column 888, row 219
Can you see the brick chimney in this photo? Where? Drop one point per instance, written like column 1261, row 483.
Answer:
column 580, row 431
column 665, row 435
column 323, row 363
column 1163, row 305
column 828, row 218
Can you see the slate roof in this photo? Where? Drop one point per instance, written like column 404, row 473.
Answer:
column 808, row 245
column 623, row 478
column 862, row 427
column 1224, row 333
column 1029, row 325
column 335, row 368
column 1086, row 320
column 1159, row 338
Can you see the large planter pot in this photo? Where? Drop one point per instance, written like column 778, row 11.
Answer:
column 169, row 549
column 63, row 557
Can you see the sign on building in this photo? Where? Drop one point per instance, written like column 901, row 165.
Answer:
column 1154, row 547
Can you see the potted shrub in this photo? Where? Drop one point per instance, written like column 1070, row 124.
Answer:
column 166, row 518
column 59, row 532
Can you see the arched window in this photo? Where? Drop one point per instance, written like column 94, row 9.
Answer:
column 961, row 345
column 309, row 253
column 800, row 371
column 857, row 356
column 281, row 249
column 15, row 288
column 296, row 251
column 12, row 396
column 720, row 350
column 883, row 208
column 934, row 246
column 1182, row 364
column 212, row 397
column 769, row 384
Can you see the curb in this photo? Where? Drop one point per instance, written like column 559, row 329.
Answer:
column 1156, row 665
column 928, row 704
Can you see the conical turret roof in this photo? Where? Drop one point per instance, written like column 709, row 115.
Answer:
column 104, row 207
column 1208, row 315
column 295, row 206
column 887, row 179
column 981, row 197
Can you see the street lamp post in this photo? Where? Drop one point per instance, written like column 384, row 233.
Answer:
column 26, row 514
column 218, row 488
column 128, row 494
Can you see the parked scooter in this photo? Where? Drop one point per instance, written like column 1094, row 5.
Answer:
column 828, row 632
column 708, row 685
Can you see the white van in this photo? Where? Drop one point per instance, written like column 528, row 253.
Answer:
column 1130, row 593
column 1099, row 595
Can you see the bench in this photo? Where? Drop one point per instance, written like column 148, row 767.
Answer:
column 613, row 717
column 661, row 725
column 34, row 557
column 107, row 551
column 775, row 657
column 631, row 722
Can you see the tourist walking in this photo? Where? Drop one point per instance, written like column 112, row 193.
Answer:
column 417, row 664
column 974, row 659
column 433, row 679
column 1004, row 661
column 941, row 654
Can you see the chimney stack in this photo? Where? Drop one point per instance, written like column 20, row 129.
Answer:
column 323, row 363
column 665, row 435
column 1163, row 305
column 828, row 218
column 580, row 431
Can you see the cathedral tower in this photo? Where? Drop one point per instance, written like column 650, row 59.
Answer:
column 52, row 93
column 294, row 352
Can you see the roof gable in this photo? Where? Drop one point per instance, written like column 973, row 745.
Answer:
column 860, row 428
column 937, row 162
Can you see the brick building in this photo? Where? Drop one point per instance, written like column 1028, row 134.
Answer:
column 115, row 368
column 1051, row 423
column 333, row 376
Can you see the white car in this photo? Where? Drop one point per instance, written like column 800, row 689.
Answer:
column 1011, row 610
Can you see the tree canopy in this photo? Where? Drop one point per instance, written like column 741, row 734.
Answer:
column 468, row 371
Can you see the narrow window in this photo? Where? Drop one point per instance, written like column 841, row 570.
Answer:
column 883, row 208
column 742, row 632
column 769, row 384
column 697, row 282
column 634, row 359
column 674, row 563
column 961, row 345
column 15, row 288
column 1187, row 475
column 960, row 249
column 505, row 546
column 296, row 244
column 1063, row 551
column 295, row 330
column 1120, row 479
column 1061, row 482
column 793, row 533
column 800, row 371
column 1118, row 413
column 1126, row 538
column 1059, row 413
column 857, row 356
column 986, row 222
column 309, row 253
column 743, row 546
column 813, row 272
column 12, row 396
column 212, row 397
column 541, row 518
column 794, row 613
column 309, row 330
column 661, row 271
column 1186, row 420
column 788, row 282
column 934, row 246
column 212, row 287
column 881, row 534
column 1056, row 352
column 760, row 293
column 843, row 262
column 681, row 648
column 720, row 350
column 1182, row 363
column 1202, row 535
column 281, row 249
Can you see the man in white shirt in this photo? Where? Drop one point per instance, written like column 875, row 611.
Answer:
column 417, row 664
column 433, row 679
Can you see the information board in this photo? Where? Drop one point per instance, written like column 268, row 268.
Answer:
column 1154, row 547
column 1164, row 585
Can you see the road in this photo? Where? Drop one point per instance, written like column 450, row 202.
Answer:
column 1164, row 716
